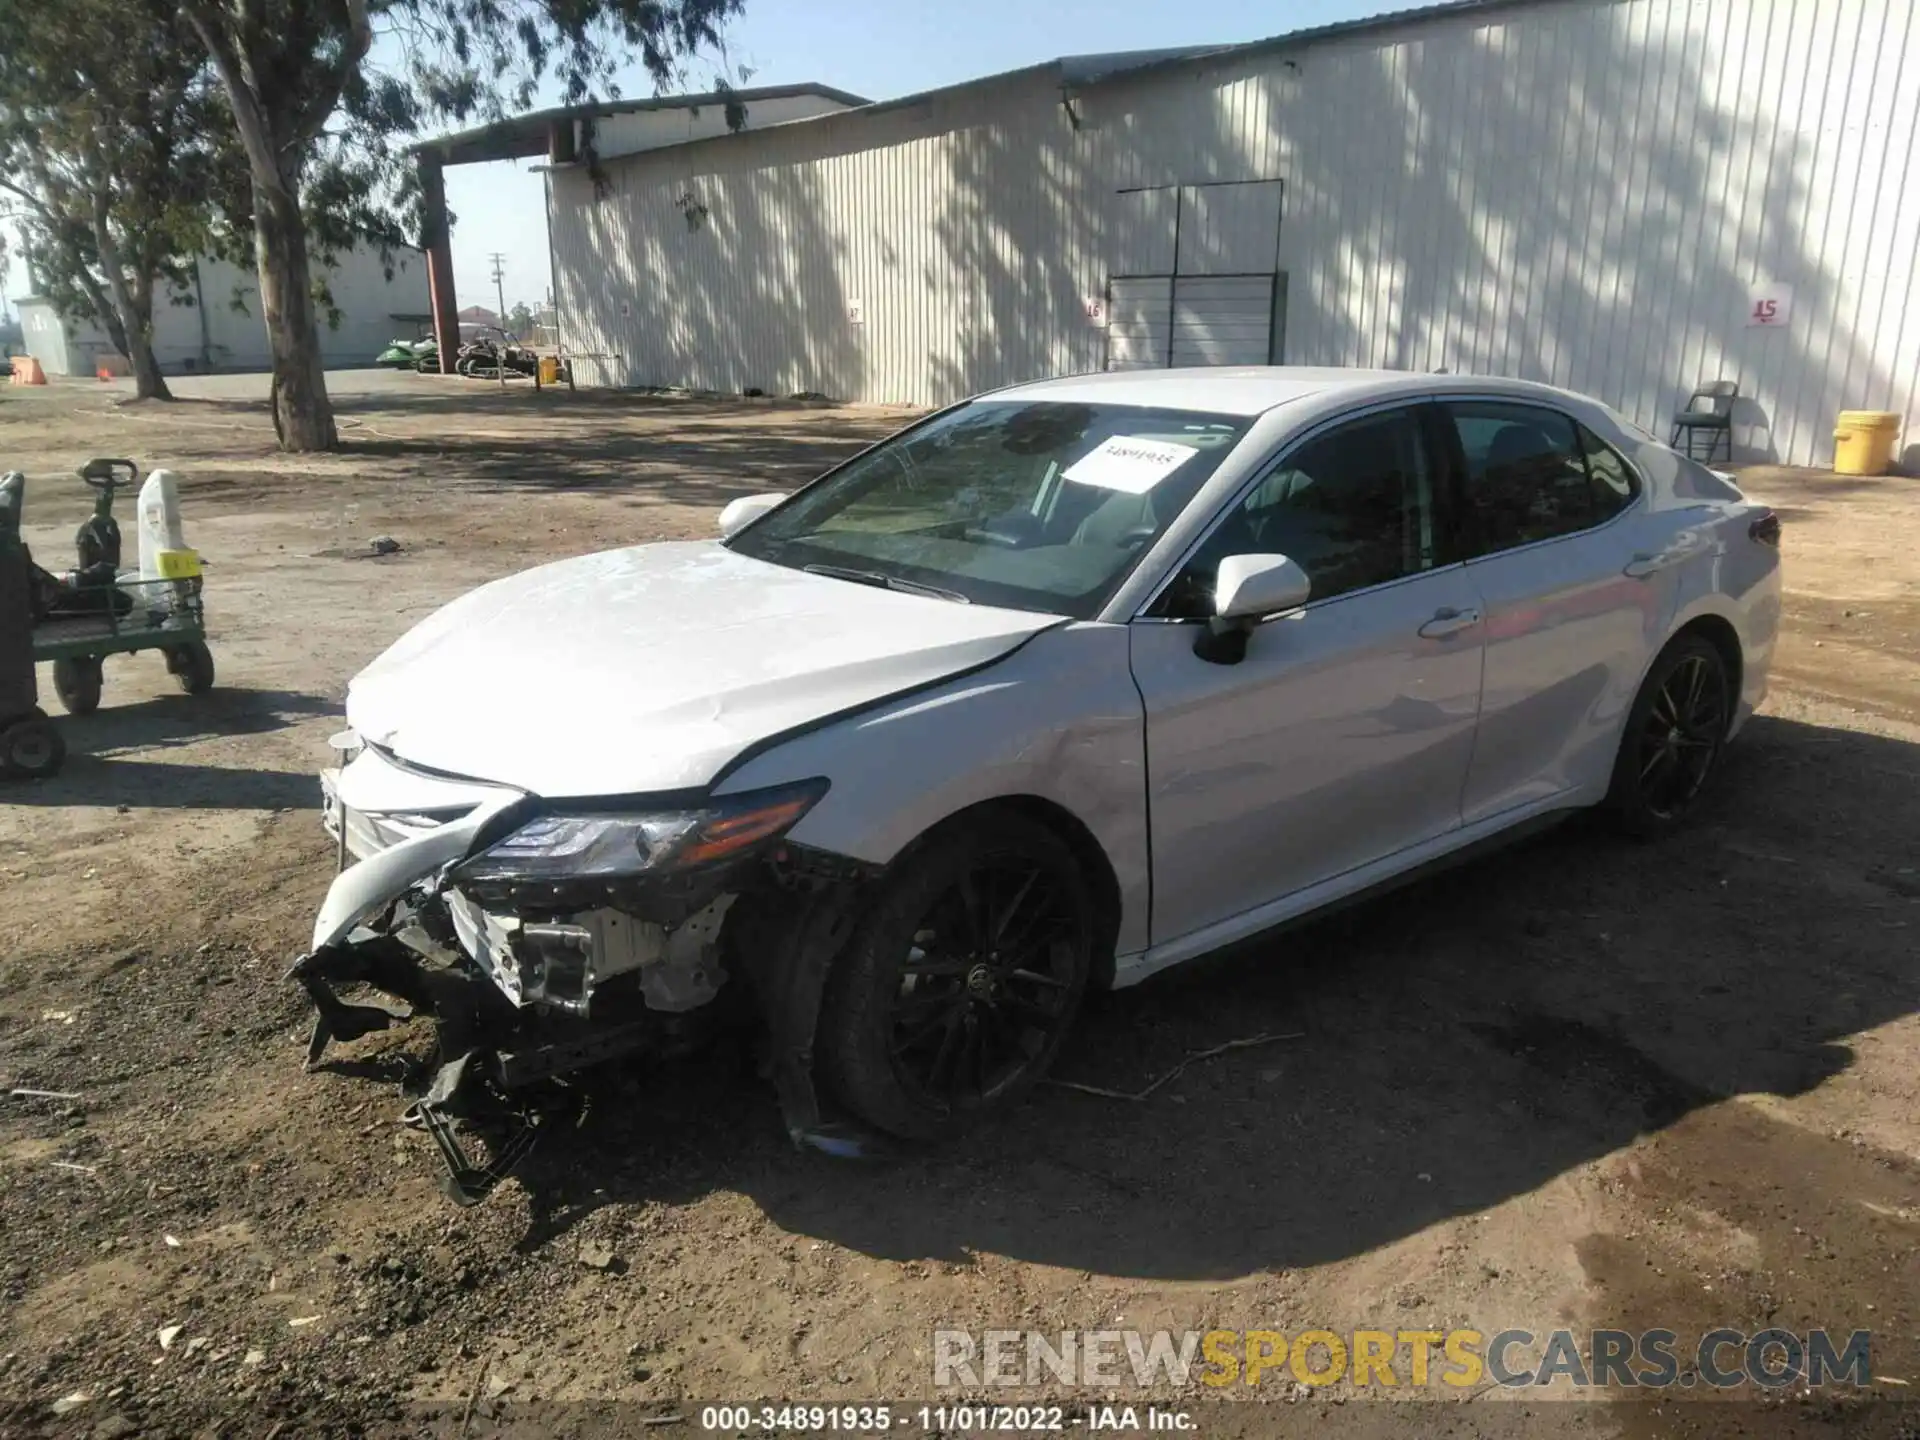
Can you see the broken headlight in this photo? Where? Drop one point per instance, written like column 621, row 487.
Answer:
column 613, row 845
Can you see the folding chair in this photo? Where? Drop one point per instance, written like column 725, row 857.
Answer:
column 1710, row 410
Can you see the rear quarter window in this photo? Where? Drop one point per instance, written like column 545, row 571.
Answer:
column 1611, row 479
column 1694, row 481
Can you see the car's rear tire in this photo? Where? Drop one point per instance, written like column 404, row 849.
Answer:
column 1673, row 738
column 961, row 980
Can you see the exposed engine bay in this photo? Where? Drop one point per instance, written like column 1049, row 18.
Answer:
column 542, row 940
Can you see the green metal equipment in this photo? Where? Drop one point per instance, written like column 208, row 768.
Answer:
column 97, row 612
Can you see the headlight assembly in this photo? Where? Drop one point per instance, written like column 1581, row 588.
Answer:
column 611, row 845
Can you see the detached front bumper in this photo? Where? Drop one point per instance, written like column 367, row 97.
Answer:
column 517, row 1000
column 510, row 1000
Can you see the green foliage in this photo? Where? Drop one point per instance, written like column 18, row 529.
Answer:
column 343, row 111
column 279, row 132
column 109, row 138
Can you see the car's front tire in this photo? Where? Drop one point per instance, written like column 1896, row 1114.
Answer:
column 961, row 980
column 1674, row 735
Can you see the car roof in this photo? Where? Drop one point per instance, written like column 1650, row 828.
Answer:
column 1255, row 389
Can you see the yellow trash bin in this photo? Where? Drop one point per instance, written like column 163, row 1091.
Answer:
column 1863, row 442
column 549, row 369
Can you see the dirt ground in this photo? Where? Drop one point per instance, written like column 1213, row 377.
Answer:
column 1578, row 1084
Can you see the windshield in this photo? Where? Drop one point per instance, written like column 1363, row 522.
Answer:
column 1024, row 504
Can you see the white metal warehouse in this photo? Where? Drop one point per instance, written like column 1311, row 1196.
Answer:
column 1621, row 196
column 213, row 322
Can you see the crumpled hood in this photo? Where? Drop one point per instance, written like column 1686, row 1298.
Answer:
column 650, row 668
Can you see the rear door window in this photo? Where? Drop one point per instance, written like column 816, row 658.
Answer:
column 1534, row 474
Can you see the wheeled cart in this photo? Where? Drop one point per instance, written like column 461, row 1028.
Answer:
column 30, row 746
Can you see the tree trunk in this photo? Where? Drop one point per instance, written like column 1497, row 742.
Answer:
column 277, row 133
column 148, row 383
column 133, row 306
column 107, row 317
column 302, row 413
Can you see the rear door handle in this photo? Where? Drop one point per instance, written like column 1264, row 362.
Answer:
column 1449, row 621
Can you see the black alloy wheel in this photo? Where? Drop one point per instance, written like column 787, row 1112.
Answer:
column 1673, row 739
column 960, row 984
column 984, row 985
column 1682, row 734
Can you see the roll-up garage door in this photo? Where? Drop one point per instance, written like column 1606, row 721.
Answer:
column 1139, row 323
column 1222, row 319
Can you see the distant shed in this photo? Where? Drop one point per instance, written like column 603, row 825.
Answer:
column 214, row 322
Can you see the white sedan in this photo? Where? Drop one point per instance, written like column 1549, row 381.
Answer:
column 1054, row 689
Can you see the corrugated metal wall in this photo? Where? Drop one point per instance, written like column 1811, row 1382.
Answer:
column 1586, row 192
column 912, row 256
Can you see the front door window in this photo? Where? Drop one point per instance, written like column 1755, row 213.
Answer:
column 1354, row 508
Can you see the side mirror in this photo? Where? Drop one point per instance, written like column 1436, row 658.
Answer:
column 1249, row 587
column 1246, row 589
column 743, row 512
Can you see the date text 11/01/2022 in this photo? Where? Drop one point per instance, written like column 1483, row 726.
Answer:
column 940, row 1419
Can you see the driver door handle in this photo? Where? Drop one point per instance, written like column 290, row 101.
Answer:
column 1449, row 621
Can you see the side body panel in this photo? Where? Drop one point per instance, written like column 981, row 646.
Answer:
column 1059, row 719
column 1569, row 633
column 1342, row 737
column 1721, row 570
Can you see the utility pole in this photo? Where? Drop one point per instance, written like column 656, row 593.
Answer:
column 500, row 295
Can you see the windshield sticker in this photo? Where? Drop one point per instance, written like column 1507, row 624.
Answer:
column 1123, row 462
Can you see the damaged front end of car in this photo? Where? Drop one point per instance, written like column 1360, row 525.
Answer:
column 546, row 937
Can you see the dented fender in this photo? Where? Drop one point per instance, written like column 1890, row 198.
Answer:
column 363, row 890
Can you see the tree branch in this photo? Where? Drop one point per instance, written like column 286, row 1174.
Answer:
column 83, row 276
column 248, row 117
column 108, row 249
column 322, row 103
column 39, row 205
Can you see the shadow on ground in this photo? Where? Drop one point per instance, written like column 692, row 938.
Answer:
column 95, row 774
column 682, row 449
column 1463, row 1043
column 97, row 780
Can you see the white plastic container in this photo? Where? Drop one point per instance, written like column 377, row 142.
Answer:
column 159, row 524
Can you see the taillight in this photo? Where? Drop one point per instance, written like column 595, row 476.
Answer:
column 1766, row 529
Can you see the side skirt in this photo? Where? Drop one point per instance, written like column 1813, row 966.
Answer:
column 1456, row 847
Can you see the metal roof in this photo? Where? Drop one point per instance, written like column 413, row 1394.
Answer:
column 1091, row 69
column 1077, row 71
column 526, row 135
column 1081, row 71
column 521, row 137
column 1340, row 29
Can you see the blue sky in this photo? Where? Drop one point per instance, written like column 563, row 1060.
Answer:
column 875, row 48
